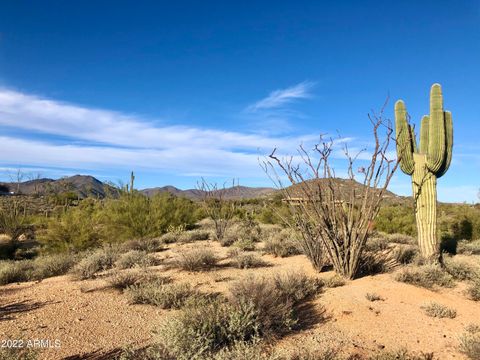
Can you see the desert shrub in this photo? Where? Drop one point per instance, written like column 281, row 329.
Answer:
column 95, row 262
column 169, row 238
column 283, row 244
column 160, row 293
column 377, row 243
column 124, row 279
column 134, row 216
column 244, row 244
column 460, row 270
column 469, row 247
column 334, row 281
column 149, row 245
column 268, row 230
column 194, row 235
column 273, row 300
column 52, row 265
column 195, row 259
column 205, row 326
column 427, row 276
column 401, row 239
column 470, row 342
column 396, row 219
column 76, row 229
column 373, row 297
column 242, row 260
column 135, row 258
column 473, row 290
column 438, row 310
column 405, row 254
column 12, row 353
column 15, row 271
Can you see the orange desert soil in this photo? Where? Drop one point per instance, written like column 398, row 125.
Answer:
column 91, row 319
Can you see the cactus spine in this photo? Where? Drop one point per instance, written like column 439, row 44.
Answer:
column 426, row 162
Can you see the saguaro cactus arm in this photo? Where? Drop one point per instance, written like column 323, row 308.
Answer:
column 406, row 143
column 424, row 134
column 448, row 144
column 436, row 130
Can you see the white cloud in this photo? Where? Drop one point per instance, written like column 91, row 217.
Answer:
column 281, row 97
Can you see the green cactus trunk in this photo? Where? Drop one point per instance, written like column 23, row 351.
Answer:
column 426, row 163
column 424, row 184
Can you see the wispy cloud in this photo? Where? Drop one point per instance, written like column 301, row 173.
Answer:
column 97, row 139
column 281, row 97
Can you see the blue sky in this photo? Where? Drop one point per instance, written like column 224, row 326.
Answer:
column 179, row 90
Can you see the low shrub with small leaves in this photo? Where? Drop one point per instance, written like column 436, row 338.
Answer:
column 194, row 259
column 95, row 262
column 169, row 238
column 149, row 245
column 460, row 270
column 470, row 342
column 469, row 247
column 194, row 235
column 123, row 279
column 438, row 310
column 282, row 244
column 377, row 243
column 163, row 294
column 473, row 290
column 244, row 244
column 135, row 258
column 52, row 265
column 427, row 276
column 405, row 254
column 243, row 260
column 15, row 271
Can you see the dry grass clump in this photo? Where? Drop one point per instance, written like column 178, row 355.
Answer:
column 160, row 292
column 438, row 310
column 243, row 260
column 282, row 244
column 218, row 328
column 95, row 262
column 427, row 276
column 470, row 342
column 195, row 259
column 460, row 270
column 149, row 245
column 135, row 258
column 373, row 297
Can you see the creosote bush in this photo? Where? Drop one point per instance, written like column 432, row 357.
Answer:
column 195, row 259
column 427, row 276
column 438, row 310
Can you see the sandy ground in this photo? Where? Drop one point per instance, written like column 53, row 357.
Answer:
column 91, row 321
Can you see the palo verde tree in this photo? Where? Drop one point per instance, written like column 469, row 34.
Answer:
column 426, row 162
column 334, row 215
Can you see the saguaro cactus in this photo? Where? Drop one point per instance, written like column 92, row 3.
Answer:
column 426, row 162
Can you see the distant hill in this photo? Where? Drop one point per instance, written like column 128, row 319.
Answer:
column 236, row 192
column 82, row 185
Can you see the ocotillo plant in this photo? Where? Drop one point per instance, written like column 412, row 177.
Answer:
column 426, row 162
